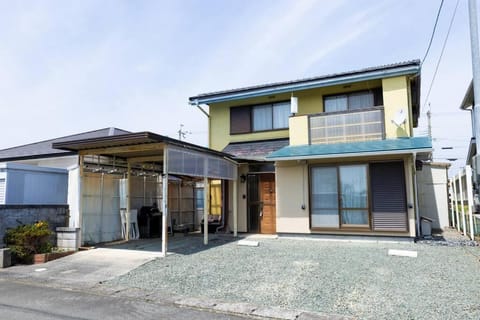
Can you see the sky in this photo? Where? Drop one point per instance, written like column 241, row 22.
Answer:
column 69, row 66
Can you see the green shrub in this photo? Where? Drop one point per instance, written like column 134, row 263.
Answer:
column 26, row 240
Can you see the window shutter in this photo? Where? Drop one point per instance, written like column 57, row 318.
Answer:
column 389, row 208
column 240, row 120
column 377, row 97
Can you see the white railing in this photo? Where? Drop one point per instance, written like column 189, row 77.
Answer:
column 348, row 126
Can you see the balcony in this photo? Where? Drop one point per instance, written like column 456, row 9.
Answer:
column 347, row 126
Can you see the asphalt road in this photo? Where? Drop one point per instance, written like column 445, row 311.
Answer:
column 23, row 301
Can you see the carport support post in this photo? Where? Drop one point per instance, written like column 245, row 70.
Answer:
column 165, row 203
column 206, row 200
column 127, row 213
column 80, row 196
column 164, row 214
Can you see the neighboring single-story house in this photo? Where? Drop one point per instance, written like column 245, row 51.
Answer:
column 42, row 154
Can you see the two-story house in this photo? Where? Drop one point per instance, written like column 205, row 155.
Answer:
column 331, row 155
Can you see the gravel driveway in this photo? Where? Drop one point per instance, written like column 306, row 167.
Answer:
column 345, row 278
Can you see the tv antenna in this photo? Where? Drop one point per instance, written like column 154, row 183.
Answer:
column 182, row 135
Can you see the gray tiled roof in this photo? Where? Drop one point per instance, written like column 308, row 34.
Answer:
column 255, row 150
column 328, row 76
column 44, row 148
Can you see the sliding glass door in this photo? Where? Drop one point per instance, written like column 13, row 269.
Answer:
column 324, row 197
column 339, row 197
column 354, row 196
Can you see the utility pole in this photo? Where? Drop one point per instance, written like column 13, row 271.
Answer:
column 472, row 13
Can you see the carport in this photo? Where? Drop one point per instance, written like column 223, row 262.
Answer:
column 145, row 152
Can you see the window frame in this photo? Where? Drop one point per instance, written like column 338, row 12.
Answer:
column 341, row 226
column 251, row 117
column 357, row 228
column 377, row 98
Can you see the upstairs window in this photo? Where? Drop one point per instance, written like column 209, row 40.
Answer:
column 259, row 118
column 353, row 101
column 270, row 117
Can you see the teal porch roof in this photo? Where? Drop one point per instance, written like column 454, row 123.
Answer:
column 354, row 149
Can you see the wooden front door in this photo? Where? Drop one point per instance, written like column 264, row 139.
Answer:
column 268, row 213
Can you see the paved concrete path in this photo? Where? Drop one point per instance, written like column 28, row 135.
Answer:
column 82, row 269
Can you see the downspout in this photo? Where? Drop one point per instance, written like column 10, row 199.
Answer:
column 417, row 215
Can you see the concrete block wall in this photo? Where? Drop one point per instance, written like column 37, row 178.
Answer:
column 12, row 216
column 68, row 238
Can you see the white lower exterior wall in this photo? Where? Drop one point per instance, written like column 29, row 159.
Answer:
column 64, row 162
column 74, row 197
column 292, row 191
column 433, row 193
column 242, row 201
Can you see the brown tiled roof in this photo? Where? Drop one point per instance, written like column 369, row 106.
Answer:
column 254, row 150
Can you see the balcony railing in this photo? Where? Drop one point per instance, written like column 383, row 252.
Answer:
column 348, row 126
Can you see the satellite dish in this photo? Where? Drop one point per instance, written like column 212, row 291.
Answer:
column 400, row 117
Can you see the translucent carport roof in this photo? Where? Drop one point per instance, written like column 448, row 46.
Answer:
column 178, row 157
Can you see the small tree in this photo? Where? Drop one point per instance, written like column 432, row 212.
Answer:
column 26, row 240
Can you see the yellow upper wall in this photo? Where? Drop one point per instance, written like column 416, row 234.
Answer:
column 219, row 124
column 395, row 97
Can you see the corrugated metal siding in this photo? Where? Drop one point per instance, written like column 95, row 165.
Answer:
column 27, row 184
column 2, row 191
column 389, row 208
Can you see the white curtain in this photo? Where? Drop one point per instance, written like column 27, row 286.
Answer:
column 336, row 103
column 324, row 197
column 262, row 118
column 354, row 194
column 281, row 113
column 360, row 100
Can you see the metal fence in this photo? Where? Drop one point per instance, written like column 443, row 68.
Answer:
column 462, row 208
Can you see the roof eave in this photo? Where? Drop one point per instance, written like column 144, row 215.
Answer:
column 40, row 156
column 353, row 154
column 318, row 83
column 131, row 139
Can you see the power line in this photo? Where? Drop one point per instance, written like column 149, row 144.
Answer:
column 441, row 54
column 433, row 32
